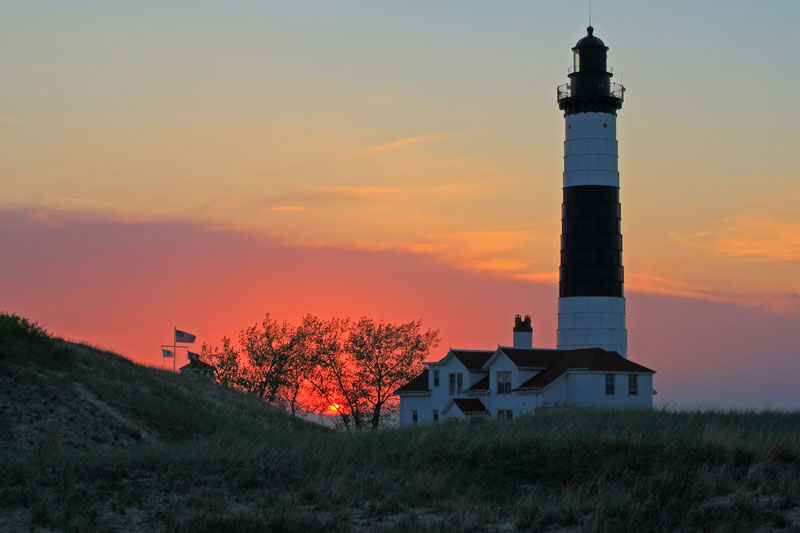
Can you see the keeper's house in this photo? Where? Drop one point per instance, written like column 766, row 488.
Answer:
column 510, row 381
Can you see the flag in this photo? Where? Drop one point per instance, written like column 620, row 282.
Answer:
column 166, row 353
column 182, row 336
column 192, row 356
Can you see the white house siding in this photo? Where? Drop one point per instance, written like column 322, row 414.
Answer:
column 555, row 394
column 421, row 403
column 454, row 413
column 589, row 388
column 440, row 395
column 494, row 401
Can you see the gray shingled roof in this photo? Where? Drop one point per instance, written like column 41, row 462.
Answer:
column 470, row 405
column 418, row 384
column 473, row 360
column 557, row 362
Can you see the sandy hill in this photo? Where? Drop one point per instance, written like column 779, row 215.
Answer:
column 91, row 441
column 56, row 394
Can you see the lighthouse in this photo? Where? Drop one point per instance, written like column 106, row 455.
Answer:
column 591, row 365
column 591, row 303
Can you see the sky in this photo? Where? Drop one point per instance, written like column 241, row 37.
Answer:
column 200, row 164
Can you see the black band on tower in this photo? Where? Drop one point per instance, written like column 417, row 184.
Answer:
column 591, row 242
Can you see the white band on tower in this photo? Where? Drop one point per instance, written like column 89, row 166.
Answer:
column 590, row 150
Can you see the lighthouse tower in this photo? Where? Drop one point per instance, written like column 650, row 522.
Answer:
column 591, row 304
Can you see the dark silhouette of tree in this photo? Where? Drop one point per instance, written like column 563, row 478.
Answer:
column 268, row 349
column 333, row 367
column 334, row 382
column 266, row 363
column 387, row 356
column 298, row 370
column 226, row 361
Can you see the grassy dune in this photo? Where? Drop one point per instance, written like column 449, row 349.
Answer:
column 91, row 441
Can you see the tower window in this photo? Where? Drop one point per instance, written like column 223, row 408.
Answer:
column 610, row 384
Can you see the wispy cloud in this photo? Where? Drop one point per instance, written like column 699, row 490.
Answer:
column 499, row 252
column 401, row 143
column 748, row 238
column 377, row 194
column 73, row 199
column 540, row 277
column 782, row 303
column 286, row 208
column 7, row 118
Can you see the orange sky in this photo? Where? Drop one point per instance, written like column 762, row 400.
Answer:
column 123, row 285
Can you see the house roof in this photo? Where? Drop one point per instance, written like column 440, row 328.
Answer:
column 557, row 362
column 481, row 386
column 473, row 359
column 418, row 384
column 196, row 364
column 470, row 405
column 536, row 358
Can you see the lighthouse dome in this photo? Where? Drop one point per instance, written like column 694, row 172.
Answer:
column 590, row 40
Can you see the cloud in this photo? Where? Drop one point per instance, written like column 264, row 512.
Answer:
column 401, row 143
column 6, row 118
column 781, row 303
column 540, row 277
column 286, row 208
column 73, row 199
column 751, row 238
column 380, row 194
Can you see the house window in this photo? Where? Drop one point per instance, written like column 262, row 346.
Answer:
column 609, row 384
column 414, row 416
column 456, row 382
column 504, row 383
column 504, row 414
column 435, row 378
column 435, row 415
column 633, row 385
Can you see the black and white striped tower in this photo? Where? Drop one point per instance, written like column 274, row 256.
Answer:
column 591, row 304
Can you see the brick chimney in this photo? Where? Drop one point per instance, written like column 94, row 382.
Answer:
column 523, row 332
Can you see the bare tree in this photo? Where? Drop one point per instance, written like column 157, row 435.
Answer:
column 268, row 349
column 387, row 356
column 334, row 382
column 334, row 367
column 297, row 372
column 226, row 362
column 268, row 356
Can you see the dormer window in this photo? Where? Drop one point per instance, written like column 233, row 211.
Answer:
column 435, row 378
column 504, row 383
column 456, row 383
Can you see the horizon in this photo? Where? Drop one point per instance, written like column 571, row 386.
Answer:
column 201, row 165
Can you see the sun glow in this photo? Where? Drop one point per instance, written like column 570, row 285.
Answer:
column 334, row 408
